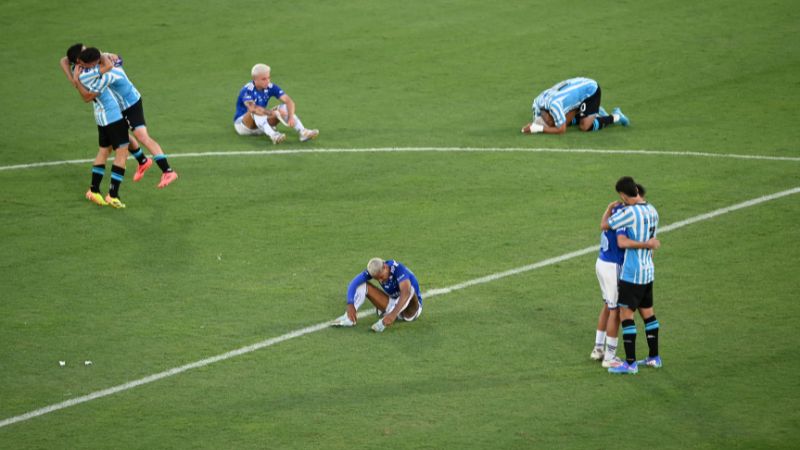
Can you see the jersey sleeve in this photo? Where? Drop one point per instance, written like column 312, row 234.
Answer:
column 621, row 219
column 557, row 111
column 100, row 82
column 248, row 95
column 276, row 91
column 359, row 279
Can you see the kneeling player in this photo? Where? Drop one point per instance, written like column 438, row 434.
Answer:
column 400, row 297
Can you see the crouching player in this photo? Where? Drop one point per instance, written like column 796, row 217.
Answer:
column 399, row 298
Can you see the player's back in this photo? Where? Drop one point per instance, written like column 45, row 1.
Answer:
column 123, row 89
column 638, row 267
column 106, row 108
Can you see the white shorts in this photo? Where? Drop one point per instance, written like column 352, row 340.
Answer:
column 243, row 130
column 608, row 275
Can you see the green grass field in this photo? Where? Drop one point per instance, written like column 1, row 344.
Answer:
column 250, row 246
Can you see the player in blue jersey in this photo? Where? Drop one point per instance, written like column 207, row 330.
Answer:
column 252, row 116
column 111, row 74
column 112, row 134
column 399, row 296
column 576, row 100
column 640, row 221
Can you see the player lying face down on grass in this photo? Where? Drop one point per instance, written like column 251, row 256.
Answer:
column 571, row 102
column 398, row 297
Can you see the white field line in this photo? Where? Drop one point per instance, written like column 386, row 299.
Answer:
column 427, row 149
column 323, row 325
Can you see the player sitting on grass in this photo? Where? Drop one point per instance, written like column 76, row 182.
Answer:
column 573, row 101
column 252, row 116
column 400, row 297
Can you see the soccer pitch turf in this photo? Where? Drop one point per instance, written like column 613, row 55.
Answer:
column 419, row 159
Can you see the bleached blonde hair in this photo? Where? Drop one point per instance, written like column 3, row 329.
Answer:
column 374, row 266
column 259, row 68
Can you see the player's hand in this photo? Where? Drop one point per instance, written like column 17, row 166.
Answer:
column 614, row 204
column 653, row 243
column 290, row 122
column 351, row 313
column 389, row 319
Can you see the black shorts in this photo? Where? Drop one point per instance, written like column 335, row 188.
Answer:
column 135, row 115
column 589, row 106
column 113, row 135
column 634, row 296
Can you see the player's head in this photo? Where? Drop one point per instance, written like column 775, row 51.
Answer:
column 375, row 267
column 261, row 75
column 89, row 57
column 626, row 188
column 73, row 52
column 641, row 190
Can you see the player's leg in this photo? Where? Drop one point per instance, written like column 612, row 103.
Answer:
column 606, row 273
column 118, row 133
column 629, row 299
column 135, row 117
column 378, row 298
column 305, row 134
column 413, row 309
column 600, row 334
column 263, row 124
column 98, row 169
column 651, row 328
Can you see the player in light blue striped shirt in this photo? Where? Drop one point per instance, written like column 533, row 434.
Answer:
column 570, row 102
column 640, row 221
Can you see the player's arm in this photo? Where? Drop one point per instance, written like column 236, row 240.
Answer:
column 85, row 94
column 549, row 126
column 64, row 63
column 252, row 108
column 604, row 220
column 626, row 242
column 290, row 108
column 405, row 297
column 106, row 64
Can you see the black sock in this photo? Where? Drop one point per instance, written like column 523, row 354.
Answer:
column 651, row 331
column 98, row 171
column 117, row 174
column 161, row 160
column 629, row 340
column 601, row 122
column 139, row 155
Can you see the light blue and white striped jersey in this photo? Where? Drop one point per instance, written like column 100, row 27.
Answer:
column 564, row 97
column 106, row 107
column 641, row 223
column 121, row 87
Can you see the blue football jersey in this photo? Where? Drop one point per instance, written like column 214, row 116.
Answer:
column 261, row 97
column 397, row 274
column 122, row 88
column 106, row 108
column 564, row 97
column 640, row 222
column 609, row 249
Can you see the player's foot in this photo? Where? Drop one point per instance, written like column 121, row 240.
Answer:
column 142, row 169
column 526, row 129
column 96, row 198
column 114, row 202
column 625, row 368
column 602, row 112
column 613, row 362
column 651, row 361
column 378, row 326
column 623, row 119
column 167, row 178
column 277, row 138
column 342, row 321
column 597, row 353
column 307, row 135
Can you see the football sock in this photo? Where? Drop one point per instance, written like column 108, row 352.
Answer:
column 651, row 331
column 599, row 338
column 97, row 176
column 117, row 174
column 262, row 122
column 629, row 340
column 161, row 160
column 611, row 347
column 601, row 122
column 139, row 155
column 298, row 126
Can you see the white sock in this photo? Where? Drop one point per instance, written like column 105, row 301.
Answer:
column 599, row 338
column 616, row 117
column 611, row 347
column 298, row 126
